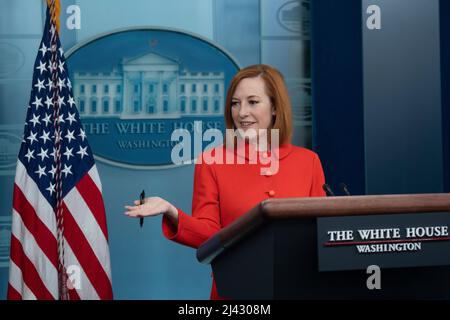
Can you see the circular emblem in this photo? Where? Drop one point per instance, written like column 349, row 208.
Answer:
column 294, row 16
column 134, row 87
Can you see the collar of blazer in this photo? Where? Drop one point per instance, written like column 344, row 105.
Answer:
column 250, row 153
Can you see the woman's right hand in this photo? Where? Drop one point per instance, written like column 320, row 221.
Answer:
column 152, row 206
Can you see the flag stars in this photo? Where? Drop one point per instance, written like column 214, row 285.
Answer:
column 43, row 154
column 66, row 170
column 69, row 84
column 57, row 136
column 37, row 102
column 71, row 101
column 53, row 154
column 43, row 49
column 40, row 85
column 69, row 136
column 50, row 85
column 61, row 100
column 40, row 171
column 29, row 155
column 61, row 119
column 35, row 120
column 51, row 188
column 32, row 137
column 82, row 134
column 48, row 102
column 82, row 152
column 61, row 66
column 45, row 136
column 71, row 117
column 42, row 67
column 47, row 120
column 53, row 171
column 61, row 83
column 68, row 153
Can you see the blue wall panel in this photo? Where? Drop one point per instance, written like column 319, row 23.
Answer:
column 445, row 87
column 402, row 103
column 338, row 132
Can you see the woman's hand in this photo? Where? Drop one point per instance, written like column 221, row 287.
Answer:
column 152, row 206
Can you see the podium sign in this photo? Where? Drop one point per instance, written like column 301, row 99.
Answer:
column 388, row 241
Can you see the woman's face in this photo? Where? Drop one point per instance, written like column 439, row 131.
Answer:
column 250, row 106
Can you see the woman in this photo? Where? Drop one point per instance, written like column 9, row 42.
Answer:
column 256, row 100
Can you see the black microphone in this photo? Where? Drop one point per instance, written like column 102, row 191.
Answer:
column 343, row 186
column 327, row 190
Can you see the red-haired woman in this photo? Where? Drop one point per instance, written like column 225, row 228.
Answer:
column 257, row 101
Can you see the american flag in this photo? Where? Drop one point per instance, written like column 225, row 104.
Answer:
column 59, row 241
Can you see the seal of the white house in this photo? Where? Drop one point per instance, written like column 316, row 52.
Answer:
column 134, row 87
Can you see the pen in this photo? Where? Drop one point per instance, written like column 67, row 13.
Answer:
column 142, row 201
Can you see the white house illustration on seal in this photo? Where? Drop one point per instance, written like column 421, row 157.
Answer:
column 149, row 86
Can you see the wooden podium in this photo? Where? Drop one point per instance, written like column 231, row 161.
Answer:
column 272, row 252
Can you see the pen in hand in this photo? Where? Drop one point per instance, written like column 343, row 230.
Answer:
column 142, row 201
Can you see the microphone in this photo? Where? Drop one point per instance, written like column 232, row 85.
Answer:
column 328, row 190
column 343, row 186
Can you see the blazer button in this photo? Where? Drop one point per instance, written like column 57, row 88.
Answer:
column 271, row 193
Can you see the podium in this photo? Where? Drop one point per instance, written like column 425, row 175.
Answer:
column 272, row 251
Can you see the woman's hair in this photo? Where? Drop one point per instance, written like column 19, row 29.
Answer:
column 277, row 92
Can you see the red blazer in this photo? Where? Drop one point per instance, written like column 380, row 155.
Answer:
column 224, row 192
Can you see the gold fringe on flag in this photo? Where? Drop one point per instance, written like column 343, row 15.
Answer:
column 55, row 10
